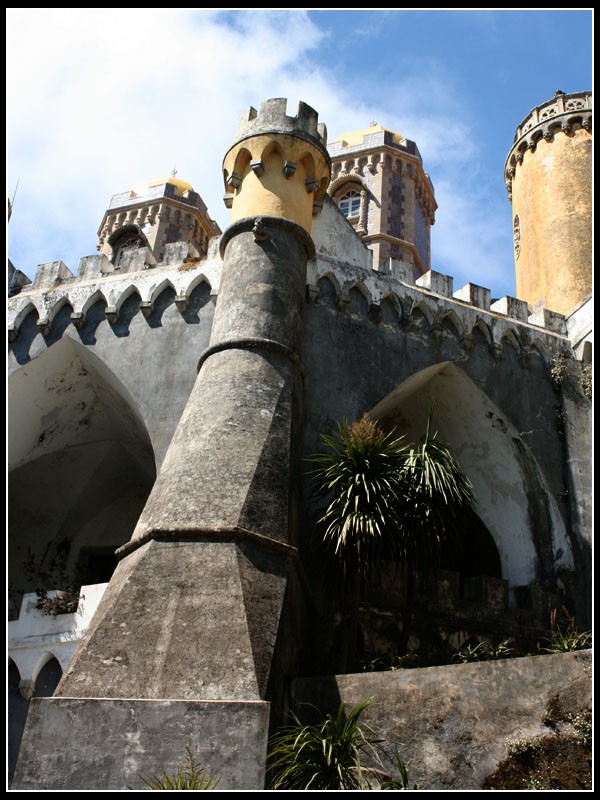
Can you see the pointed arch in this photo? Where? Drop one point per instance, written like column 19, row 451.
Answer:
column 452, row 318
column 198, row 279
column 512, row 498
column 127, row 294
column 423, row 308
column 57, row 307
column 541, row 350
column 48, row 675
column 270, row 151
column 97, row 297
column 329, row 290
column 160, row 288
column 242, row 161
column 391, row 309
column 360, row 287
column 510, row 337
column 79, row 438
column 26, row 309
column 484, row 329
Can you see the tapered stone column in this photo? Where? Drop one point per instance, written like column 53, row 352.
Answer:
column 195, row 608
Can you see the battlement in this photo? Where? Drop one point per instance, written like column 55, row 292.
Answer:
column 372, row 138
column 272, row 118
column 563, row 113
column 470, row 306
column 393, row 296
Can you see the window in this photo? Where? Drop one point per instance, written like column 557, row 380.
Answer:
column 350, row 204
column 130, row 239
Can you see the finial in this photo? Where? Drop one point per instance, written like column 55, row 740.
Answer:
column 173, row 172
column 373, row 124
column 557, row 92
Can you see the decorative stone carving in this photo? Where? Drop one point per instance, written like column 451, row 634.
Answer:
column 234, row 180
column 260, row 230
column 496, row 350
column 517, row 236
column 181, row 302
column 289, row 167
column 78, row 319
column 563, row 113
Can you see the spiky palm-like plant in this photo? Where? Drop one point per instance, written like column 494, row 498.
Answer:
column 434, row 495
column 358, row 476
column 388, row 500
column 324, row 755
column 186, row 778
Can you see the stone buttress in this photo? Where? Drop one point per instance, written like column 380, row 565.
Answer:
column 185, row 646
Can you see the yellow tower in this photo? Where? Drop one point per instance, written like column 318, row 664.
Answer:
column 548, row 175
column 278, row 165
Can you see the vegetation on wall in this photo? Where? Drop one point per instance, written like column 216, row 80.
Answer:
column 48, row 574
column 190, row 777
column 387, row 499
column 330, row 753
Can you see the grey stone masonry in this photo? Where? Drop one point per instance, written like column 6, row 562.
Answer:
column 272, row 117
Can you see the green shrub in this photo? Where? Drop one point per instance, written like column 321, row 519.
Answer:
column 327, row 754
column 564, row 636
column 190, row 777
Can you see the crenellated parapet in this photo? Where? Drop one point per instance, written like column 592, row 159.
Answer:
column 55, row 288
column 152, row 216
column 564, row 113
column 393, row 298
column 548, row 176
column 278, row 165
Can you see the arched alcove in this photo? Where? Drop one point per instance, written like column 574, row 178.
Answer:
column 81, row 467
column 17, row 710
column 48, row 678
column 512, row 501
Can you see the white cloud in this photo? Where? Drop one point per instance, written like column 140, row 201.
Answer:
column 99, row 100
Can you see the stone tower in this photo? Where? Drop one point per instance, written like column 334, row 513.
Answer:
column 141, row 222
column 548, row 175
column 380, row 186
column 184, row 642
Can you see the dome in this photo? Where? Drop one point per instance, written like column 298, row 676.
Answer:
column 356, row 137
column 181, row 186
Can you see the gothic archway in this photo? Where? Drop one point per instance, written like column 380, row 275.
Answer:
column 513, row 502
column 81, row 467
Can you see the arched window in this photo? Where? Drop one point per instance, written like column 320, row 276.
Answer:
column 123, row 238
column 350, row 204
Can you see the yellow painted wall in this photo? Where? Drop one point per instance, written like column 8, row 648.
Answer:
column 552, row 194
column 272, row 193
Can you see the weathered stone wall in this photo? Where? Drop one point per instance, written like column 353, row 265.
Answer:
column 121, row 741
column 453, row 725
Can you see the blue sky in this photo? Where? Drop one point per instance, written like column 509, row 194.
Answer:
column 100, row 100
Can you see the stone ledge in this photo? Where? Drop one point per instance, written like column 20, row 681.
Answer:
column 451, row 724
column 99, row 744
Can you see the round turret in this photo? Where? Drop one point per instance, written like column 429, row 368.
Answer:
column 278, row 165
column 548, row 175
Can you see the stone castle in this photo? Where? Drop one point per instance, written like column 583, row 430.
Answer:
column 163, row 400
